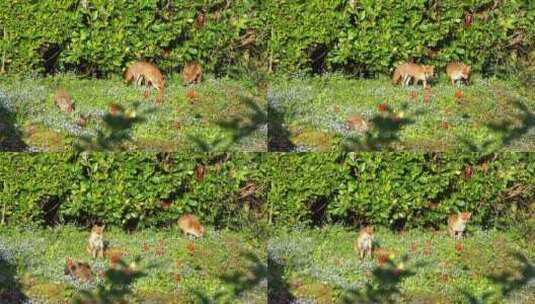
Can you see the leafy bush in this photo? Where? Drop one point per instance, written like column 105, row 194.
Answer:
column 239, row 189
column 131, row 189
column 228, row 37
column 372, row 36
column 101, row 37
column 399, row 189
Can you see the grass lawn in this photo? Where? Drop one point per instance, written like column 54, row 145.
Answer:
column 321, row 266
column 223, row 267
column 218, row 114
column 319, row 114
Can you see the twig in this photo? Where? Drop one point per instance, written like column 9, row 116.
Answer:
column 4, row 207
column 3, row 68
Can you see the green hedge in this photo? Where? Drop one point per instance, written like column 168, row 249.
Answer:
column 239, row 189
column 101, row 36
column 373, row 35
column 400, row 189
column 131, row 189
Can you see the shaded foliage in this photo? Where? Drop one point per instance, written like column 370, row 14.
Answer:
column 384, row 286
column 10, row 287
column 117, row 285
column 509, row 130
column 385, row 133
column 10, row 135
column 239, row 127
column 115, row 133
column 240, row 282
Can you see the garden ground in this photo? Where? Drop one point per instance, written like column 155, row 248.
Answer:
column 325, row 113
column 414, row 266
column 218, row 114
column 152, row 266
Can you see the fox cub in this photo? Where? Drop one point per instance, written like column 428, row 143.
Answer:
column 190, row 224
column 458, row 71
column 408, row 71
column 192, row 73
column 145, row 72
column 63, row 101
column 96, row 242
column 78, row 270
column 365, row 242
column 457, row 224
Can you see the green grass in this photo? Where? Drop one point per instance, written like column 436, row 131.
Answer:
column 491, row 114
column 223, row 267
column 221, row 114
column 322, row 265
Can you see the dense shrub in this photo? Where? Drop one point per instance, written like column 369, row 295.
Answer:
column 400, row 189
column 131, row 189
column 372, row 36
column 234, row 190
column 363, row 37
column 101, row 36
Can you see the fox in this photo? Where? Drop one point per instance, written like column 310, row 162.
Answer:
column 63, row 100
column 365, row 242
column 96, row 242
column 78, row 270
column 408, row 71
column 457, row 224
column 358, row 123
column 458, row 71
column 82, row 120
column 190, row 224
column 192, row 73
column 145, row 72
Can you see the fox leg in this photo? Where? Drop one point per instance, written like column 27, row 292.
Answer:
column 139, row 80
column 146, row 93
column 406, row 80
column 159, row 89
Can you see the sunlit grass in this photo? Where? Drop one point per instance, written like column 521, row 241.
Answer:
column 438, row 268
column 190, row 116
column 174, row 269
column 488, row 114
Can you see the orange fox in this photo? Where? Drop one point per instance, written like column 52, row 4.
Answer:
column 145, row 72
column 190, row 224
column 458, row 71
column 63, row 100
column 192, row 73
column 365, row 242
column 457, row 224
column 408, row 71
column 96, row 242
column 78, row 270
